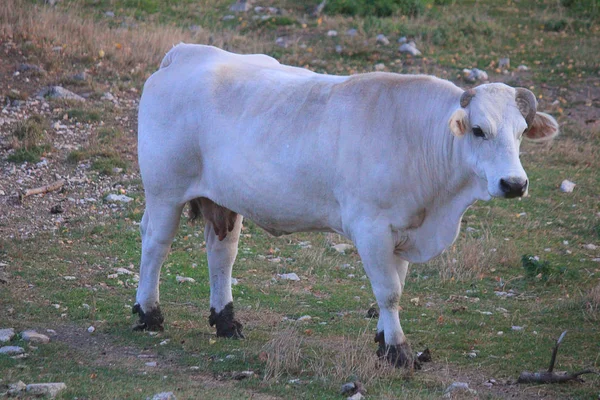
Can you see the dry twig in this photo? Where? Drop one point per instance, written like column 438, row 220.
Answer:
column 43, row 189
column 550, row 376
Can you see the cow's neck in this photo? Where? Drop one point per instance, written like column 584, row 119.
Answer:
column 449, row 188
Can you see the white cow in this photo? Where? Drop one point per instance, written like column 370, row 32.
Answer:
column 389, row 161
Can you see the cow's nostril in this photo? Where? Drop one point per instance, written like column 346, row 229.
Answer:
column 505, row 186
column 513, row 187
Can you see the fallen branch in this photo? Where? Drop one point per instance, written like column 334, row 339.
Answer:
column 43, row 189
column 550, row 376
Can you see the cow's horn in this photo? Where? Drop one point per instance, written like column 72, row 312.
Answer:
column 466, row 97
column 527, row 104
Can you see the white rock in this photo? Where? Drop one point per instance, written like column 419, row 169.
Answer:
column 381, row 39
column 113, row 276
column 523, row 67
column 332, row 33
column 504, row 63
column 304, row 318
column 108, row 96
column 343, row 247
column 163, row 396
column 409, row 48
column 6, row 335
column 182, row 279
column 500, row 333
column 281, row 42
column 91, row 329
column 472, row 355
column 151, row 364
column 34, row 337
column 356, row 396
column 118, row 198
column 69, row 278
column 234, row 281
column 124, row 271
column 228, row 17
column 474, row 75
column 339, row 49
column 517, row 328
column 585, row 246
column 567, row 186
column 11, row 350
column 46, row 389
column 379, row 67
column 289, row 277
column 164, row 342
column 458, row 386
column 348, row 387
column 402, row 39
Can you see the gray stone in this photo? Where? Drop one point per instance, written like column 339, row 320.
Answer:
column 281, row 42
column 242, row 375
column 118, row 198
column 34, row 337
column 228, row 17
column 58, row 92
column 348, row 388
column 182, row 279
column 409, row 48
column 80, row 76
column 108, row 96
column 15, row 388
column 163, row 396
column 32, row 68
column 43, row 389
column 6, row 335
column 382, row 39
column 339, row 49
column 402, row 39
column 523, row 67
column 241, row 6
column 11, row 350
column 351, row 32
column 332, row 33
column 109, row 14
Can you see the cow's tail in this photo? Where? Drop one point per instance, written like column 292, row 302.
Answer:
column 195, row 210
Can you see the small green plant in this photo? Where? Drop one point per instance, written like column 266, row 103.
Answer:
column 376, row 8
column 29, row 140
column 535, row 268
column 589, row 9
column 106, row 164
column 82, row 115
column 76, row 156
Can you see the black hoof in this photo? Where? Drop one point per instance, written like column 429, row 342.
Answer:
column 227, row 325
column 399, row 355
column 149, row 321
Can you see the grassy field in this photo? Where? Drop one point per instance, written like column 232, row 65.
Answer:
column 453, row 305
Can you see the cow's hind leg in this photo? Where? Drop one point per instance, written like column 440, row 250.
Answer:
column 222, row 233
column 158, row 227
column 386, row 272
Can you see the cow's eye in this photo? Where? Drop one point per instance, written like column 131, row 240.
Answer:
column 478, row 132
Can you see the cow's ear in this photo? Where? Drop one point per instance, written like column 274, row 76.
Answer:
column 543, row 128
column 459, row 123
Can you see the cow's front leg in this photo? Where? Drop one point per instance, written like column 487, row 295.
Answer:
column 221, row 254
column 158, row 227
column 387, row 273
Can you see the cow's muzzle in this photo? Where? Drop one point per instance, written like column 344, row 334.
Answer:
column 513, row 187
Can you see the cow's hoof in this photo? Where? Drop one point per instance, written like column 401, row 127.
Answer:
column 149, row 321
column 399, row 355
column 227, row 325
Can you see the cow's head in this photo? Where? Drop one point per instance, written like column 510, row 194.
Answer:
column 491, row 120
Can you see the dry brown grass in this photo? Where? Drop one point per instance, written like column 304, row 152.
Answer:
column 283, row 353
column 83, row 37
column 471, row 257
column 592, row 303
column 332, row 361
